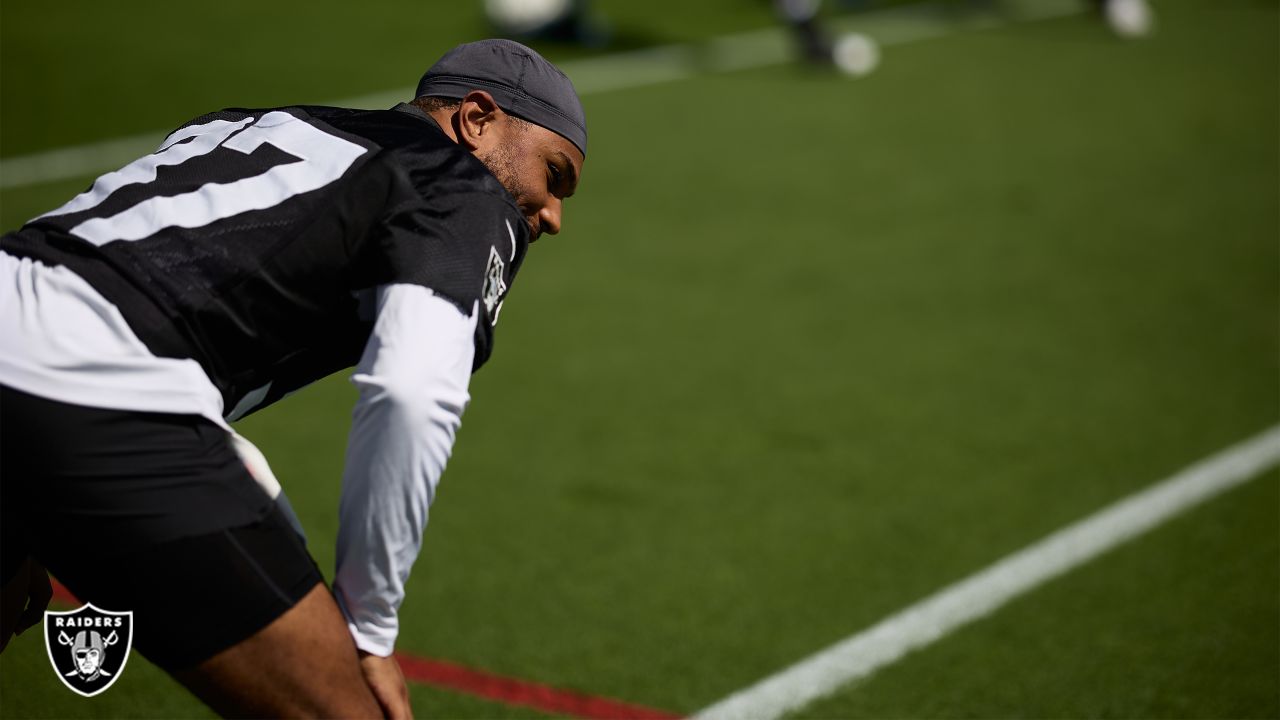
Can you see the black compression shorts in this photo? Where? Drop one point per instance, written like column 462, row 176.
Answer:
column 148, row 512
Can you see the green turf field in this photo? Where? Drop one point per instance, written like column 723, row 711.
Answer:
column 808, row 350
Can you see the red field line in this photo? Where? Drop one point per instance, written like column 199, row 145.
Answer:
column 509, row 691
column 520, row 692
column 63, row 595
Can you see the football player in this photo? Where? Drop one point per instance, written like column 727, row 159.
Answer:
column 256, row 251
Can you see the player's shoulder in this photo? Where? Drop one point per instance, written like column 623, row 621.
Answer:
column 430, row 159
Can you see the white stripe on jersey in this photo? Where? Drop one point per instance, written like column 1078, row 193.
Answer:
column 64, row 341
column 323, row 159
column 143, row 170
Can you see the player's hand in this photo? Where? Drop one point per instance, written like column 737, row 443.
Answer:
column 25, row 598
column 387, row 683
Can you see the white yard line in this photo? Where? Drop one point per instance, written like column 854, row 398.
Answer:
column 981, row 594
column 606, row 73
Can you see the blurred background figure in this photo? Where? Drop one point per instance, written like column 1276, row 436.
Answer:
column 1128, row 18
column 802, row 16
column 857, row 54
column 850, row 53
column 558, row 20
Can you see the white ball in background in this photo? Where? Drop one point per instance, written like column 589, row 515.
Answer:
column 1130, row 18
column 855, row 54
column 522, row 16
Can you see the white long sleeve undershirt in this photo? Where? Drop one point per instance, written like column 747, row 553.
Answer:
column 412, row 381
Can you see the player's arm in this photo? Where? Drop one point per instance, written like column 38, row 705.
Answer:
column 412, row 381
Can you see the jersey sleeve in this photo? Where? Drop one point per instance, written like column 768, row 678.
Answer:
column 412, row 382
column 465, row 246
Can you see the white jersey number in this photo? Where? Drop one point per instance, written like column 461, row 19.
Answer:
column 324, row 158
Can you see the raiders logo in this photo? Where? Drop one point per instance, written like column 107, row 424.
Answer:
column 88, row 647
column 494, row 285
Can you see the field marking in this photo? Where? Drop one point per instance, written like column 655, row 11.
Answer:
column 554, row 701
column 981, row 594
column 606, row 73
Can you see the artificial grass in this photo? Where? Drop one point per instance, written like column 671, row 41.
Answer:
column 810, row 349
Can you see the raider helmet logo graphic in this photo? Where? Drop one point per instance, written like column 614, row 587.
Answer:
column 88, row 647
column 494, row 286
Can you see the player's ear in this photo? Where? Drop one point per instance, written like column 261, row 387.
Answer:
column 476, row 118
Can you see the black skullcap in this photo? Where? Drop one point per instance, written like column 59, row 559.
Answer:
column 522, row 82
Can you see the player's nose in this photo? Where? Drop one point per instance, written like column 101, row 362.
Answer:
column 550, row 215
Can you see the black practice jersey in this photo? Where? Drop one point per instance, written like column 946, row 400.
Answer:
column 252, row 239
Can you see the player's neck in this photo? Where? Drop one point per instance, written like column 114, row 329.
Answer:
column 444, row 118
